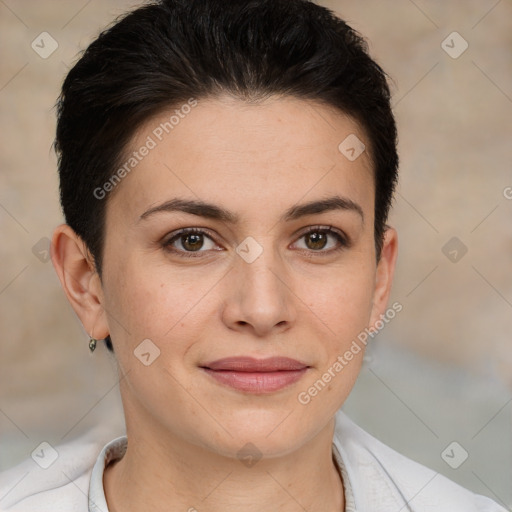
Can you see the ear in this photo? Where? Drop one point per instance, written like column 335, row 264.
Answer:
column 384, row 274
column 79, row 279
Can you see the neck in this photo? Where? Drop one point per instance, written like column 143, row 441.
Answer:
column 157, row 472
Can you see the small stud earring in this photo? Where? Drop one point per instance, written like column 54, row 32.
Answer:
column 92, row 343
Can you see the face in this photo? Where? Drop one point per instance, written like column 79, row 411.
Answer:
column 265, row 273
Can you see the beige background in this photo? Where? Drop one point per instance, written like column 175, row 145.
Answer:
column 440, row 371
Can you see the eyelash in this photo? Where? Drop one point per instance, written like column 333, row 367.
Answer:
column 342, row 240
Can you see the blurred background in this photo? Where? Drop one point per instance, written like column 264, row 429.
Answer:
column 439, row 372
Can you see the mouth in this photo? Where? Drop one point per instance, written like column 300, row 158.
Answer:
column 259, row 376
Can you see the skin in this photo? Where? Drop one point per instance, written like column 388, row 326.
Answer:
column 298, row 299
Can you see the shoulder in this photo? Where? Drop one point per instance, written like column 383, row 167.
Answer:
column 383, row 479
column 53, row 478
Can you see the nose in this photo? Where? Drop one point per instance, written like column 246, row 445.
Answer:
column 259, row 295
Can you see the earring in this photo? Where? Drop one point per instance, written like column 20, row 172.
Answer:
column 92, row 343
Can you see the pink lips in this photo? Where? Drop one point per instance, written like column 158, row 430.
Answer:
column 256, row 375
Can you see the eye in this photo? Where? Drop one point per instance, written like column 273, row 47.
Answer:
column 316, row 239
column 189, row 241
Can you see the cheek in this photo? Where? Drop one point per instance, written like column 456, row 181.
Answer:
column 343, row 309
column 148, row 301
column 162, row 317
column 152, row 298
column 343, row 303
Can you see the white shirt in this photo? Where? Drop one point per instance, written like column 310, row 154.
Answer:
column 376, row 478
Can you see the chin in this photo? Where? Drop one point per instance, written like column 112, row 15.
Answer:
column 266, row 433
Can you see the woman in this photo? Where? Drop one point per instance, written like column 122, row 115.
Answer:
column 226, row 172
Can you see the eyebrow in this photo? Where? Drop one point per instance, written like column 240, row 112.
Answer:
column 212, row 211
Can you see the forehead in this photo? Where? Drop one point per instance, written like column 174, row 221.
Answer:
column 223, row 149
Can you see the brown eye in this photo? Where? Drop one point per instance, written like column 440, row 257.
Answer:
column 189, row 240
column 317, row 239
column 192, row 241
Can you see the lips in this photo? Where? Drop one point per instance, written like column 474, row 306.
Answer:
column 256, row 375
column 250, row 364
